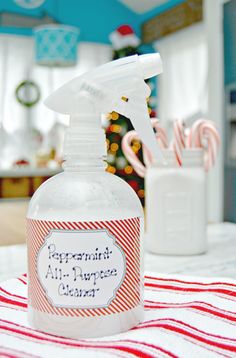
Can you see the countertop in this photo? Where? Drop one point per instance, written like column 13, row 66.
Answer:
column 26, row 171
column 12, row 234
column 220, row 259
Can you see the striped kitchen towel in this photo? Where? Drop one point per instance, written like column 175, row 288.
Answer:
column 184, row 317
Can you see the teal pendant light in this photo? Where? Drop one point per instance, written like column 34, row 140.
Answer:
column 56, row 45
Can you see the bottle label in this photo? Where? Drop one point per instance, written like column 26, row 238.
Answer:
column 84, row 268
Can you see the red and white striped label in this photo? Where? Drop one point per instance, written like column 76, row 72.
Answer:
column 84, row 268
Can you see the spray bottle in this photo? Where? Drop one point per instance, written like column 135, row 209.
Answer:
column 84, row 225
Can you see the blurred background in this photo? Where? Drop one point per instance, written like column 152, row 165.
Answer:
column 44, row 43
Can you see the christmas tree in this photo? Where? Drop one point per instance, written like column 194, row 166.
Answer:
column 125, row 43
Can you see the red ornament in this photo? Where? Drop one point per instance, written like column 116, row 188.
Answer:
column 134, row 184
column 153, row 113
column 21, row 162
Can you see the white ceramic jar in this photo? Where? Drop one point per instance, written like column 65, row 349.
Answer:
column 176, row 205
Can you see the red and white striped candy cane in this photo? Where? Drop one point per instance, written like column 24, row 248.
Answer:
column 204, row 134
column 193, row 139
column 162, row 140
column 179, row 140
column 130, row 155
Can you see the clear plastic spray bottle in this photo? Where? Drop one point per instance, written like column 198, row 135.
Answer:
column 84, row 225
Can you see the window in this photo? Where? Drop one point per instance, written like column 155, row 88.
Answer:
column 182, row 88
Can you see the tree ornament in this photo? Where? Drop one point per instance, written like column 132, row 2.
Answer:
column 27, row 93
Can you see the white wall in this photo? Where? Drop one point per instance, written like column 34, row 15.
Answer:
column 183, row 91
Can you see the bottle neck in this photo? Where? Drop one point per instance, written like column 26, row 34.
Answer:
column 84, row 165
column 85, row 143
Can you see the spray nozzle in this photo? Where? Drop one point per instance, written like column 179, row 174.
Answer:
column 151, row 65
column 103, row 90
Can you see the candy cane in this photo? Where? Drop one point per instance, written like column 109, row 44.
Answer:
column 179, row 140
column 130, row 155
column 204, row 134
column 162, row 140
column 193, row 139
column 147, row 156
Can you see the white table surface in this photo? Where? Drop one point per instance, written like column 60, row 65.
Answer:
column 220, row 260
